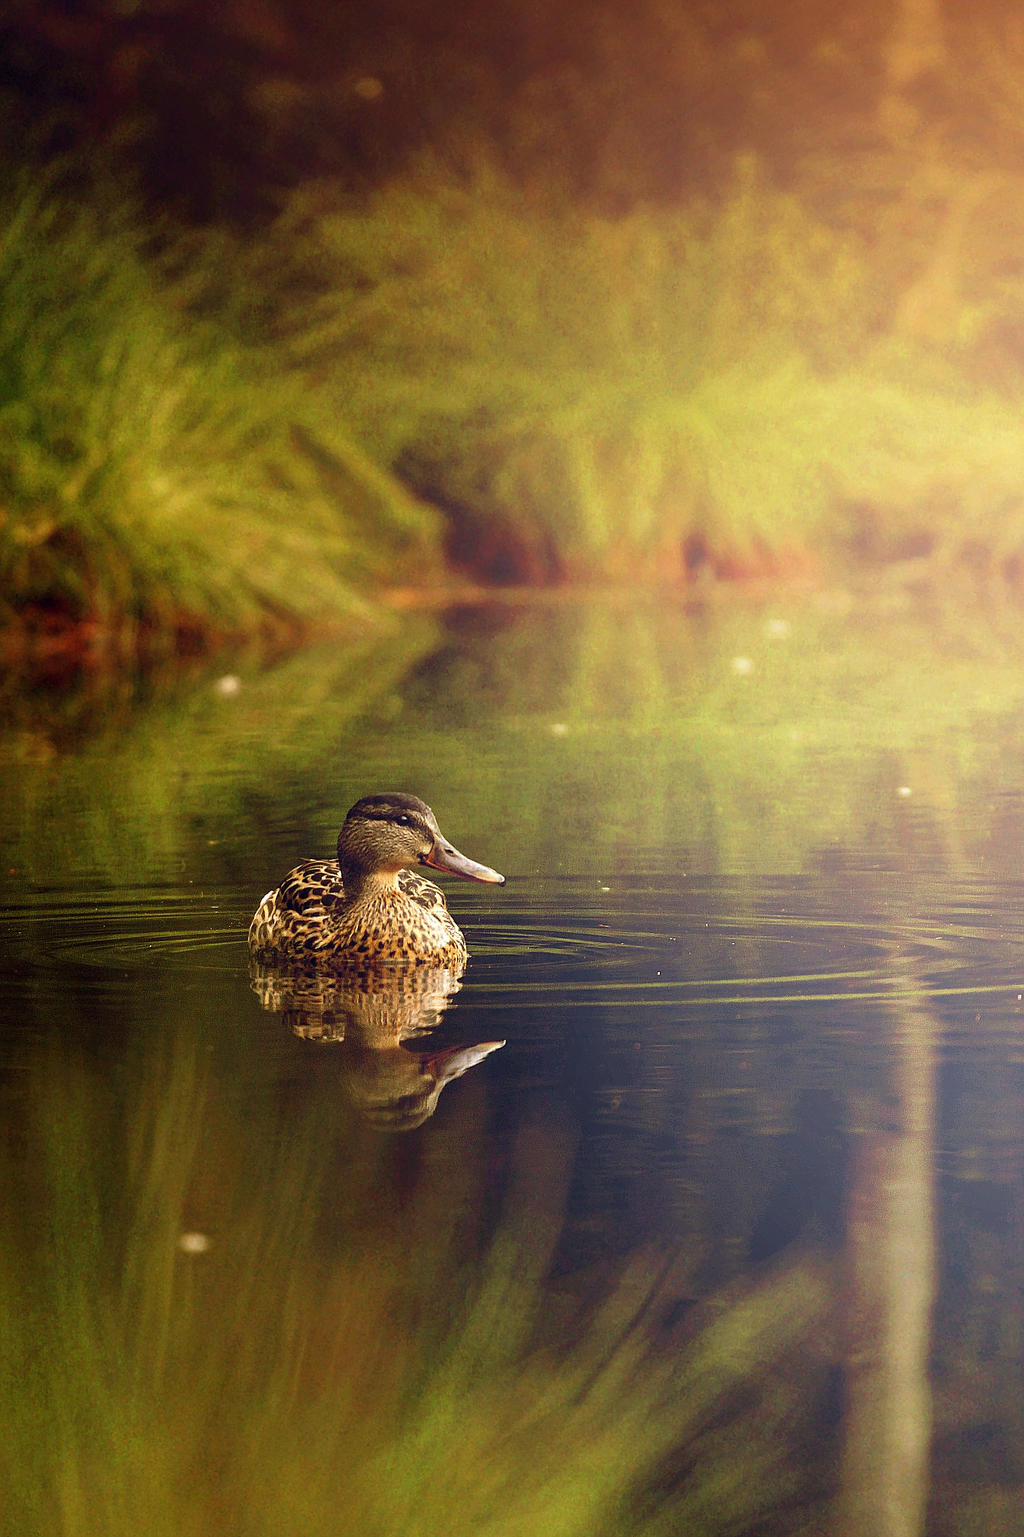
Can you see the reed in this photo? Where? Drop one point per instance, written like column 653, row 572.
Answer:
column 200, row 435
column 626, row 397
column 156, row 476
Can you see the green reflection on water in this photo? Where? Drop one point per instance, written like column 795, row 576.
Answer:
column 214, row 1323
column 333, row 1359
column 577, row 737
column 111, row 788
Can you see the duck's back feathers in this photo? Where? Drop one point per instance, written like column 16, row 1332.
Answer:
column 313, row 889
column 309, row 918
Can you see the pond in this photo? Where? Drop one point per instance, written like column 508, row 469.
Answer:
column 694, row 1205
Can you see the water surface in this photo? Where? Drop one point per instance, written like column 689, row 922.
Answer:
column 695, row 1204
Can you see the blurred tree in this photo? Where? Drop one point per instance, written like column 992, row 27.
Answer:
column 220, row 107
column 914, row 50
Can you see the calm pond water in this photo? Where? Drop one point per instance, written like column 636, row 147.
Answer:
column 697, row 1206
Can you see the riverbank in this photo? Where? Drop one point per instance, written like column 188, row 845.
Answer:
column 209, row 439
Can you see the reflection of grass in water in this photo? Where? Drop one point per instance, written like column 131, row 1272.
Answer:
column 667, row 751
column 195, row 770
column 747, row 739
column 289, row 1381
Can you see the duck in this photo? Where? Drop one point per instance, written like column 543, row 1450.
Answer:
column 370, row 904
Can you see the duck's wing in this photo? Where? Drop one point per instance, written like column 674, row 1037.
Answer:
column 313, row 889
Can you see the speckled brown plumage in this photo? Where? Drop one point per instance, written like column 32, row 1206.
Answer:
column 367, row 904
column 309, row 917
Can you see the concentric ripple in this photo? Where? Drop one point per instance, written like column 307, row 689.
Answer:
column 646, row 946
column 712, row 945
column 123, row 931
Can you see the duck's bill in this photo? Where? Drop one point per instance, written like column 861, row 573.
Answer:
column 459, row 1059
column 443, row 857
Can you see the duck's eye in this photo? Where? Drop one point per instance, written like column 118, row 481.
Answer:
column 403, row 820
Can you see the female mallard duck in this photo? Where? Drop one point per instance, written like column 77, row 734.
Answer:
column 367, row 904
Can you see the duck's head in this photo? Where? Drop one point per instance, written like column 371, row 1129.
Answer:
column 388, row 832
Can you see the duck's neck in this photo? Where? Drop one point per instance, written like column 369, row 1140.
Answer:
column 360, row 884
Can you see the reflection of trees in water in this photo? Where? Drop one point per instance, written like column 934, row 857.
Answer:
column 890, row 1275
column 381, row 1017
column 825, row 1128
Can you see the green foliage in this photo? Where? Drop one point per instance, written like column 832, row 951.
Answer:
column 615, row 397
column 150, row 471
column 201, row 428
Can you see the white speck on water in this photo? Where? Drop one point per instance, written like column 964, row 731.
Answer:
column 904, row 791
column 193, row 1243
column 559, row 728
column 742, row 666
column 229, row 684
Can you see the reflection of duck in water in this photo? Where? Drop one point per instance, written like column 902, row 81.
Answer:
column 371, row 1010
column 368, row 904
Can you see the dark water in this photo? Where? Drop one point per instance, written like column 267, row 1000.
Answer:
column 697, row 1206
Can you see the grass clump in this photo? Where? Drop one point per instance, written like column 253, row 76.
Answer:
column 563, row 382
column 730, row 384
column 610, row 340
column 601, row 396
column 153, row 475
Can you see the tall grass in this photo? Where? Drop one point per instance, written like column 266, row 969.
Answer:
column 622, row 396
column 732, row 384
column 152, row 473
column 549, row 370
